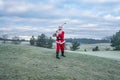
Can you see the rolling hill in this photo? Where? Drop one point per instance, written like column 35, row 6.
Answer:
column 21, row 62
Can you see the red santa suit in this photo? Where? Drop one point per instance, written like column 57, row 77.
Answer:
column 60, row 42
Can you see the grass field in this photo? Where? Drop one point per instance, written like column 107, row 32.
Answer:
column 21, row 62
column 89, row 47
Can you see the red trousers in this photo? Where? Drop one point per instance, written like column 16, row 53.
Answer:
column 60, row 47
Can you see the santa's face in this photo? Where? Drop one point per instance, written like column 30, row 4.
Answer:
column 60, row 29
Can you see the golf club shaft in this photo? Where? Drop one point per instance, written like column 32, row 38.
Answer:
column 63, row 24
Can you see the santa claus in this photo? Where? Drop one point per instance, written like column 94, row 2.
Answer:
column 60, row 42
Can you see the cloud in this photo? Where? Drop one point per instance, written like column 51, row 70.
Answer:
column 1, row 4
column 5, row 29
column 25, row 37
column 22, row 8
column 111, row 18
column 101, row 1
column 87, row 18
column 16, row 7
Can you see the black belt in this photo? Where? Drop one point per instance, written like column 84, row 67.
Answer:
column 60, row 39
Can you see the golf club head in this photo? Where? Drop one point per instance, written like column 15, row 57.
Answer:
column 63, row 24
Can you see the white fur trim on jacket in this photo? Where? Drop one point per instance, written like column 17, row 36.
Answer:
column 59, row 42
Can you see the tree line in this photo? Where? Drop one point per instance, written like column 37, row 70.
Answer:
column 42, row 41
column 115, row 41
column 87, row 41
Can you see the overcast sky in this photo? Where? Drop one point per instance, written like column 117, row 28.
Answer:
column 84, row 18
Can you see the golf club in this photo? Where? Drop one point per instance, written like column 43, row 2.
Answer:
column 63, row 24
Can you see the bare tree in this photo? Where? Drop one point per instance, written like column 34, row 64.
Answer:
column 4, row 37
column 16, row 40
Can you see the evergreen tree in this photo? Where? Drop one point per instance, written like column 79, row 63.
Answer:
column 75, row 46
column 95, row 49
column 38, row 43
column 42, row 40
column 115, row 41
column 50, row 42
column 32, row 41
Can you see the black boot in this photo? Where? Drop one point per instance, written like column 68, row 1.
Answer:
column 57, row 55
column 63, row 54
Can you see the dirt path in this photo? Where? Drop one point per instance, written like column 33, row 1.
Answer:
column 106, row 54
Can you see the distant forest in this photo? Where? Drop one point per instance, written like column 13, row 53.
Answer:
column 87, row 41
column 81, row 40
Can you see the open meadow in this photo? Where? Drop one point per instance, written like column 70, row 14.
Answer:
column 23, row 62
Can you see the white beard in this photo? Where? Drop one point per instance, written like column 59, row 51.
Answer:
column 59, row 31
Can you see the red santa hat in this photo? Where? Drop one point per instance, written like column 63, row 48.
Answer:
column 59, row 27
